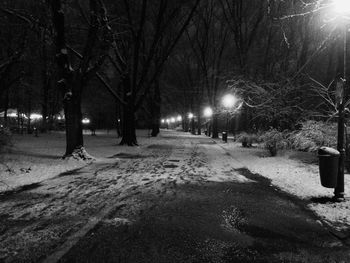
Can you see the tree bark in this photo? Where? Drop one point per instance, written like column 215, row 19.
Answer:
column 73, row 115
column 69, row 83
column 156, row 102
column 199, row 132
column 215, row 127
column 118, row 118
column 129, row 128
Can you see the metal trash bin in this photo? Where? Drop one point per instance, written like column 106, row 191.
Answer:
column 328, row 165
column 224, row 136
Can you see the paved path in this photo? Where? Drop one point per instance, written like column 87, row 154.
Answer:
column 179, row 199
column 209, row 212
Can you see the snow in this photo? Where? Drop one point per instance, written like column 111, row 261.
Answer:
column 74, row 190
column 291, row 174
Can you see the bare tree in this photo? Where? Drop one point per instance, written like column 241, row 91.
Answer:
column 72, row 81
column 152, row 31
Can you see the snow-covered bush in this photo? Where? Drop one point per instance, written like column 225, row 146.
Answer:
column 247, row 139
column 313, row 135
column 274, row 140
column 5, row 137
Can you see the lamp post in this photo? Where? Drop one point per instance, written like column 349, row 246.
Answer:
column 191, row 117
column 167, row 123
column 208, row 112
column 341, row 7
column 228, row 101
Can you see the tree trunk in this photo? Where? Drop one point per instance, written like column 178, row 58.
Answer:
column 129, row 129
column 118, row 117
column 7, row 101
column 70, row 84
column 44, row 105
column 74, row 127
column 156, row 110
column 215, row 126
column 199, row 132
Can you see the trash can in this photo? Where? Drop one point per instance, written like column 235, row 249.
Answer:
column 328, row 165
column 224, row 136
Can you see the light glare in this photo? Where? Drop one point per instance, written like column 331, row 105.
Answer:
column 35, row 116
column 85, row 121
column 228, row 101
column 342, row 6
column 208, row 112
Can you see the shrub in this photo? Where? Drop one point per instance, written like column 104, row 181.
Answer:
column 5, row 137
column 247, row 139
column 313, row 135
column 274, row 140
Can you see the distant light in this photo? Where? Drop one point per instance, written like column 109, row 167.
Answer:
column 163, row 121
column 12, row 114
column 85, row 121
column 229, row 101
column 190, row 116
column 35, row 116
column 167, row 121
column 208, row 112
column 179, row 118
column 172, row 120
column 341, row 6
column 118, row 120
column 59, row 118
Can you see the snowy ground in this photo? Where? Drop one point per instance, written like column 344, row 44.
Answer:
column 298, row 174
column 46, row 200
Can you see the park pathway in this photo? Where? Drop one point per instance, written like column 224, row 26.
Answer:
column 177, row 199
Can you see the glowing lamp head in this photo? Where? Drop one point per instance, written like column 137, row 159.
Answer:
column 172, row 120
column 228, row 101
column 85, row 121
column 167, row 121
column 179, row 118
column 163, row 121
column 190, row 115
column 342, row 6
column 208, row 112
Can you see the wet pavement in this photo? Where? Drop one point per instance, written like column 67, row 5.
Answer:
column 208, row 221
column 174, row 200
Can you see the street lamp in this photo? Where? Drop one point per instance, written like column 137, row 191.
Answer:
column 85, row 121
column 208, row 112
column 228, row 101
column 191, row 117
column 341, row 7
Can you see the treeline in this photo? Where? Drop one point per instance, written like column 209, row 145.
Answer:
column 278, row 57
column 136, row 59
